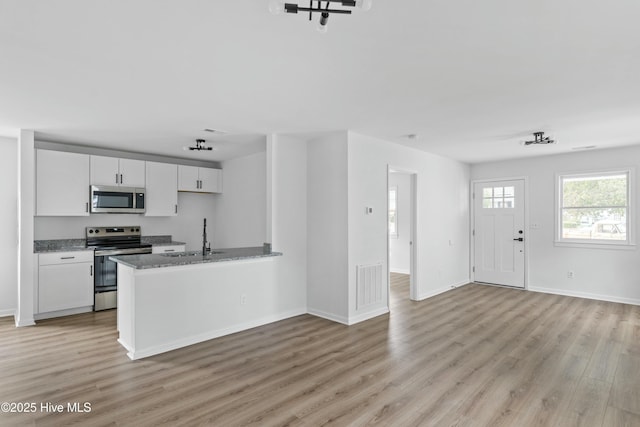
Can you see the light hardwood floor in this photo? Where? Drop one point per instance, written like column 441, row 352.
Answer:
column 475, row 356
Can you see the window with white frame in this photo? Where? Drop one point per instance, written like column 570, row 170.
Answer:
column 393, row 213
column 594, row 208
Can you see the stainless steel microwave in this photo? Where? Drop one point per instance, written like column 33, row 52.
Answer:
column 106, row 199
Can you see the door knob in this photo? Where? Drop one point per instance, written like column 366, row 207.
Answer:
column 519, row 239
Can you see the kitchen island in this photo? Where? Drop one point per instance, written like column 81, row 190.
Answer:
column 169, row 301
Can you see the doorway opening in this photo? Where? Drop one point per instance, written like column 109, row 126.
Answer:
column 401, row 240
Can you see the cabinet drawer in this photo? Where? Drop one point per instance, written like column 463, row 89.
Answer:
column 65, row 257
column 167, row 249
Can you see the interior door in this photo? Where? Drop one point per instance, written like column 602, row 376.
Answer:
column 498, row 231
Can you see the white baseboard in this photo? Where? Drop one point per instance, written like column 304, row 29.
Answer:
column 7, row 313
column 368, row 315
column 439, row 291
column 60, row 313
column 587, row 295
column 399, row 270
column 461, row 283
column 24, row 322
column 328, row 316
column 194, row 339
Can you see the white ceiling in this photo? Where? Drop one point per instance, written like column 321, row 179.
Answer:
column 472, row 78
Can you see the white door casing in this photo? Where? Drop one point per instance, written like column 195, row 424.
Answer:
column 413, row 227
column 499, row 232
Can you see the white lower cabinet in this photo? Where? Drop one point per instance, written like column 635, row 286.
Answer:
column 65, row 281
column 167, row 249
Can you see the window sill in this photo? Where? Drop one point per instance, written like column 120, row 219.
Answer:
column 596, row 245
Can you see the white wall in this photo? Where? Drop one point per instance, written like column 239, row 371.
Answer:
column 327, row 248
column 185, row 227
column 240, row 210
column 9, row 226
column 399, row 255
column 443, row 214
column 26, row 178
column 598, row 273
column 288, row 204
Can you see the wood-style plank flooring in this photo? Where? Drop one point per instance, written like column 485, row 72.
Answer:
column 475, row 356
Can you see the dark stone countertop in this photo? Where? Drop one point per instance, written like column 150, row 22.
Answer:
column 145, row 261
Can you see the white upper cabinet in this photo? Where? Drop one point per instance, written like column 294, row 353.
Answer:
column 210, row 180
column 188, row 179
column 132, row 173
column 161, row 197
column 199, row 180
column 62, row 183
column 117, row 172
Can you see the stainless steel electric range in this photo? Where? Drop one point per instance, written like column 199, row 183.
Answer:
column 108, row 241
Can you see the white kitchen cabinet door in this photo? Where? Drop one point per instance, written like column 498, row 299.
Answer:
column 105, row 171
column 188, row 178
column 65, row 285
column 168, row 249
column 210, row 180
column 161, row 197
column 62, row 183
column 132, row 173
column 199, row 180
column 117, row 172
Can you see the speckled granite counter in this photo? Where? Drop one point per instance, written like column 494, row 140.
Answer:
column 160, row 241
column 68, row 245
column 145, row 261
column 59, row 245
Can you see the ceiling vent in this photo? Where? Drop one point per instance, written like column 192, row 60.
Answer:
column 540, row 139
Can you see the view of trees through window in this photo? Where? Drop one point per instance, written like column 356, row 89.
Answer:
column 595, row 206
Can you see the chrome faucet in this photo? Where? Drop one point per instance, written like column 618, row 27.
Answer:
column 205, row 248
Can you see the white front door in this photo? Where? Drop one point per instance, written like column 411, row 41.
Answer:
column 498, row 232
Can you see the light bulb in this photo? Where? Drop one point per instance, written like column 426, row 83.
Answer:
column 364, row 4
column 276, row 7
column 322, row 24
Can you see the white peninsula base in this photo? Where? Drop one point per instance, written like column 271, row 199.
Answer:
column 162, row 309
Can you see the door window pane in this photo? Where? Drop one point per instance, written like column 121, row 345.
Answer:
column 498, row 197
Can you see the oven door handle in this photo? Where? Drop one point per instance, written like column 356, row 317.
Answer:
column 131, row 251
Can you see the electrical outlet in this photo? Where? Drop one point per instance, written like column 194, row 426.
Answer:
column 569, row 274
column 243, row 299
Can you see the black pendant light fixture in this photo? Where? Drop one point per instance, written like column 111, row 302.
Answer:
column 540, row 139
column 199, row 146
column 324, row 8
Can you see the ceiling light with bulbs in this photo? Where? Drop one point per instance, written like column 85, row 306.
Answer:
column 199, row 146
column 324, row 8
